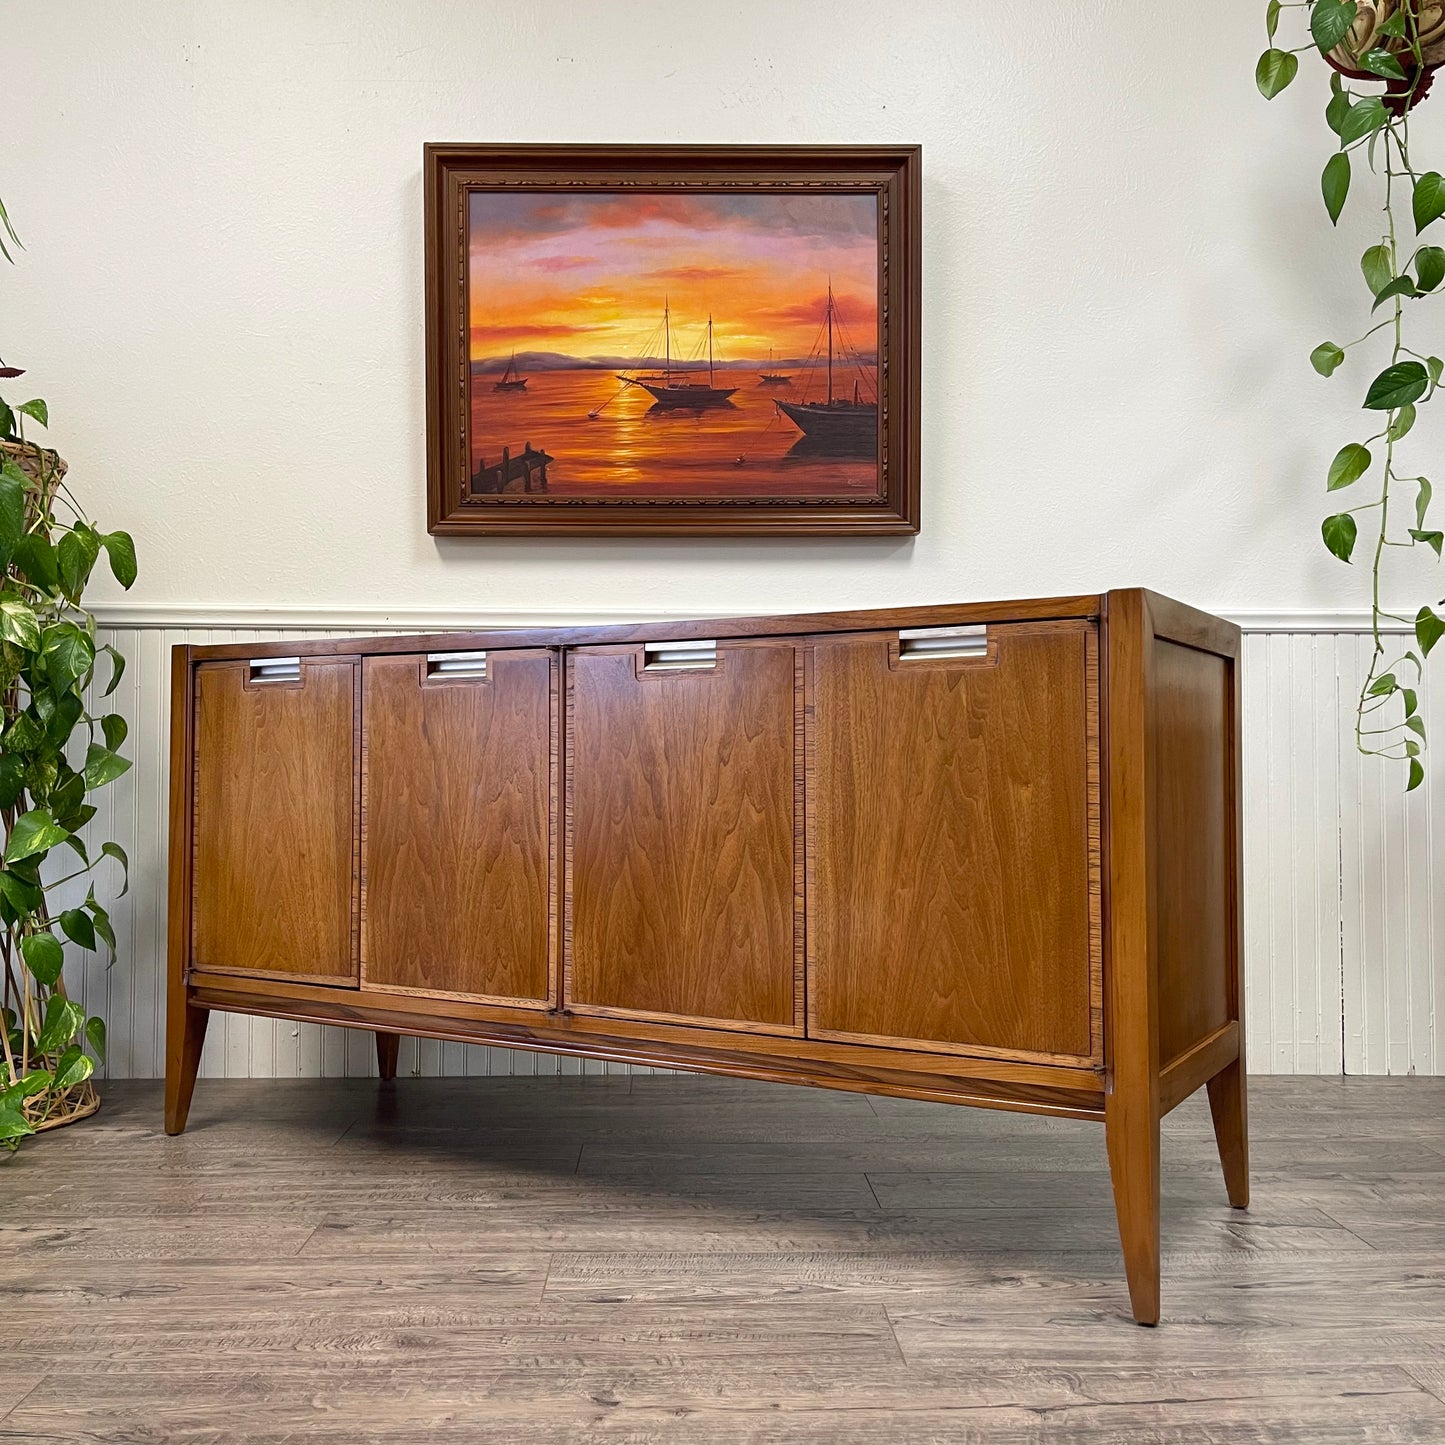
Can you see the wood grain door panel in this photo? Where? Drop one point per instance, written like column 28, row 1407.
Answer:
column 684, row 889
column 953, row 844
column 457, row 843
column 274, row 827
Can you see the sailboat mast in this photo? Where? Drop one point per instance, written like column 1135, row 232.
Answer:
column 667, row 338
column 709, row 348
column 830, row 342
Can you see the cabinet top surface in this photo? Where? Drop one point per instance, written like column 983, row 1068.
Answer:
column 864, row 620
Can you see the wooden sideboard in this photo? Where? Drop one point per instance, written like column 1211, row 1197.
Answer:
column 979, row 854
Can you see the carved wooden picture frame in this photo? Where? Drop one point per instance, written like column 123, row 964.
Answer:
column 618, row 340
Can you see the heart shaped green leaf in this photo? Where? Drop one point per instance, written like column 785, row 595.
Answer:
column 1335, row 180
column 103, row 766
column 63, row 1020
column 1330, row 22
column 1365, row 118
column 44, row 957
column 1376, row 266
column 1400, row 286
column 1351, row 462
column 1396, row 386
column 1429, row 629
column 1404, row 420
column 1275, row 70
column 121, row 550
column 33, row 832
column 1428, row 200
column 1339, row 533
column 1380, row 62
column 73, row 1067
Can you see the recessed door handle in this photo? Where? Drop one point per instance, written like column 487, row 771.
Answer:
column 274, row 669
column 678, row 656
column 918, row 643
column 456, row 664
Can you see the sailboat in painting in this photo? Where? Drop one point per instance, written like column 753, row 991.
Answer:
column 838, row 424
column 664, row 387
column 771, row 377
column 510, row 380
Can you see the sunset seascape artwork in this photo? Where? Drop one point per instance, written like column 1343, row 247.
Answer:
column 661, row 345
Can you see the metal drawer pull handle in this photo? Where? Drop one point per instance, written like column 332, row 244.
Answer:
column 922, row 642
column 675, row 656
column 275, row 669
column 456, row 664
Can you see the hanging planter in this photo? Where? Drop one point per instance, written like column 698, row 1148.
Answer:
column 1396, row 45
column 1375, row 31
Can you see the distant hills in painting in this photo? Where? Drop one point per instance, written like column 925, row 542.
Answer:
column 559, row 361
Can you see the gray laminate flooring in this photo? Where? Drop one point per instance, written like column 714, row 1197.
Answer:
column 687, row 1259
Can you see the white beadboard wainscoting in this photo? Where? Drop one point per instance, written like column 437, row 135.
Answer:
column 1344, row 873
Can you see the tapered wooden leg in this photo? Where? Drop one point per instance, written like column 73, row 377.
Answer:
column 1231, row 1130
column 387, row 1046
column 185, row 1034
column 1132, row 1130
column 1131, row 977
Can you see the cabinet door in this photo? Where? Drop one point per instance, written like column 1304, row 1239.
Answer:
column 275, row 815
column 683, row 900
column 953, row 841
column 457, row 825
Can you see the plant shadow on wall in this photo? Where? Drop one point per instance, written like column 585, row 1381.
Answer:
column 1399, row 44
column 48, row 549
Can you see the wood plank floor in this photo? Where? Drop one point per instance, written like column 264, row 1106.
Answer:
column 699, row 1260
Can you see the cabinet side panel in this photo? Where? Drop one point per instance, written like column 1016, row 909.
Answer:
column 1192, row 699
column 457, row 843
column 273, row 863
column 681, row 833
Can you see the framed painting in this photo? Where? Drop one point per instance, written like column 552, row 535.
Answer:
column 674, row 340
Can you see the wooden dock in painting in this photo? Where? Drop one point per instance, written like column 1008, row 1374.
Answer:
column 525, row 472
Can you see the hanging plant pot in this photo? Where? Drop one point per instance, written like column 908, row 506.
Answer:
column 1365, row 37
column 38, row 463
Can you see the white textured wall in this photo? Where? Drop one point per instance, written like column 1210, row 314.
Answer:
column 1125, row 265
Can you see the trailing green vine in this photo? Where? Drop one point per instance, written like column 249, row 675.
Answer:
column 1397, row 43
column 54, row 753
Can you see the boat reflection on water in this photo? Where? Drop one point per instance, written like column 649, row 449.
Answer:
column 821, row 448
column 691, row 411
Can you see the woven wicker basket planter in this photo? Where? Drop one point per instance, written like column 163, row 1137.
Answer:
column 31, row 459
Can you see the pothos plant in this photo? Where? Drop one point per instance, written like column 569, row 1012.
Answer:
column 54, row 752
column 1395, row 44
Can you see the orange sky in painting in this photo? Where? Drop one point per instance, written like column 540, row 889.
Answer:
column 587, row 275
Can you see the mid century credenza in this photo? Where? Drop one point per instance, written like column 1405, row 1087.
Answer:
column 980, row 854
